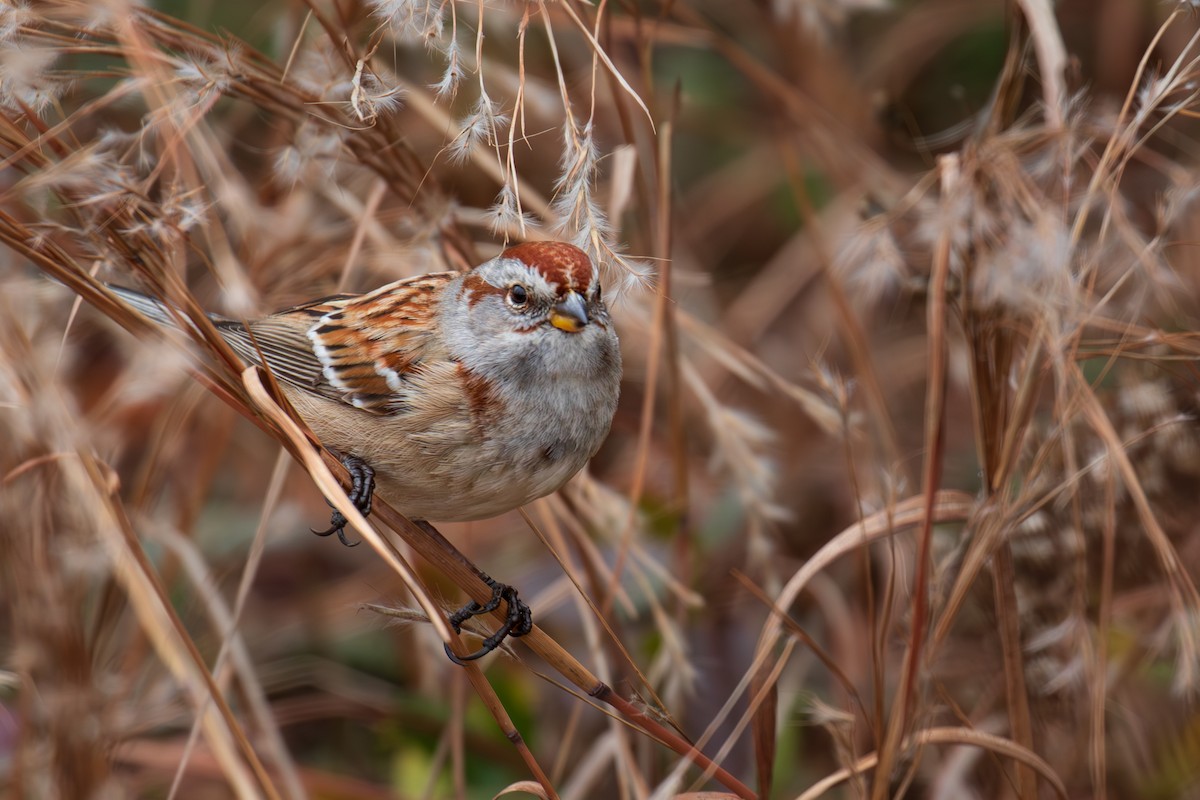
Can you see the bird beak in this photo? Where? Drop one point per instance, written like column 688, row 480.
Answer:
column 569, row 314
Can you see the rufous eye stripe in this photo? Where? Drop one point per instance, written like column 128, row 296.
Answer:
column 476, row 288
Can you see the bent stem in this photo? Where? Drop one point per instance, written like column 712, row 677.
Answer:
column 323, row 476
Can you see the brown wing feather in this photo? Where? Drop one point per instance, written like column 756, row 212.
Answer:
column 358, row 349
column 284, row 345
column 367, row 346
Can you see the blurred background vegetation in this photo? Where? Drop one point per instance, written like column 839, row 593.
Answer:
column 900, row 499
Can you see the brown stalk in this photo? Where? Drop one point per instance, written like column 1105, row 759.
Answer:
column 948, row 506
column 542, row 644
column 764, row 720
column 665, row 312
column 1004, row 593
column 662, row 340
column 605, row 618
column 1099, row 686
column 865, row 369
column 257, row 700
column 998, row 432
column 311, row 459
column 434, row 548
column 936, row 312
column 991, row 345
column 1183, row 593
column 150, row 577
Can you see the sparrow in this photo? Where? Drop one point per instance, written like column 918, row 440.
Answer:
column 458, row 396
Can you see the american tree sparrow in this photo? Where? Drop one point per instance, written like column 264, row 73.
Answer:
column 459, row 396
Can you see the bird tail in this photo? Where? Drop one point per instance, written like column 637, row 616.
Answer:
column 161, row 313
column 156, row 310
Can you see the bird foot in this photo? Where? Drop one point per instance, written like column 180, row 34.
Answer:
column 518, row 621
column 362, row 491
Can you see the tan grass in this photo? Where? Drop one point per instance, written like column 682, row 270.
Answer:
column 840, row 325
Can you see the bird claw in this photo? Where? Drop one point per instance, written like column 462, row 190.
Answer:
column 518, row 621
column 337, row 524
column 362, row 492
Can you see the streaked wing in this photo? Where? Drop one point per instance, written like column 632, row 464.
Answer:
column 282, row 341
column 358, row 349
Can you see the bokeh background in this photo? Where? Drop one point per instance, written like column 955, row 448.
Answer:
column 900, row 499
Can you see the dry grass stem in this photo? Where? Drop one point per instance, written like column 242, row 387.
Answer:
column 899, row 499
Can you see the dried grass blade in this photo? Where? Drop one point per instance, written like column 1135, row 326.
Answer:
column 172, row 643
column 612, row 69
column 1051, row 56
column 1004, row 592
column 935, row 736
column 334, row 493
column 233, row 646
column 948, row 506
column 1183, row 594
column 935, row 418
column 765, row 685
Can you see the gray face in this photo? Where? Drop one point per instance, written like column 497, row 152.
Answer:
column 522, row 328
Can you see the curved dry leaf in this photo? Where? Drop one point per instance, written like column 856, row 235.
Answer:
column 333, row 491
column 963, row 736
column 948, row 506
column 528, row 787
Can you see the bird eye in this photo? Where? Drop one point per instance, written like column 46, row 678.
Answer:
column 597, row 297
column 518, row 297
